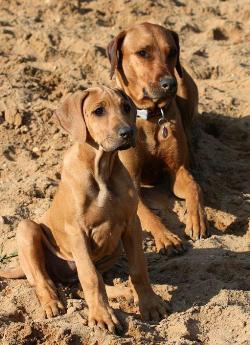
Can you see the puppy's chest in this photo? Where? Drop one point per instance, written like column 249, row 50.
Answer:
column 108, row 214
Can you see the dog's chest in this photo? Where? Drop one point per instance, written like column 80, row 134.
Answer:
column 108, row 215
column 162, row 142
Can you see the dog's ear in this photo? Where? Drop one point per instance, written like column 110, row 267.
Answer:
column 114, row 52
column 69, row 116
column 128, row 99
column 178, row 64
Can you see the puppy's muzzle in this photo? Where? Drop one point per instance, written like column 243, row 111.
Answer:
column 126, row 132
column 127, row 137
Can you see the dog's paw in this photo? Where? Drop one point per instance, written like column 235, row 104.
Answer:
column 196, row 224
column 104, row 318
column 152, row 307
column 168, row 243
column 52, row 308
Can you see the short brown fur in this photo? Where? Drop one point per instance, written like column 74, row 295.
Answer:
column 139, row 76
column 93, row 212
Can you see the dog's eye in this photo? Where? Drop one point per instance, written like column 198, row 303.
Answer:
column 143, row 53
column 172, row 53
column 126, row 107
column 99, row 111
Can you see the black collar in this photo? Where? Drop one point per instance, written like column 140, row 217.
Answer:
column 147, row 114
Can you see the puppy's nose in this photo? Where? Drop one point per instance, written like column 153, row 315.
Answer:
column 168, row 83
column 126, row 132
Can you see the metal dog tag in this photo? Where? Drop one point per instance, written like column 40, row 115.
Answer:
column 164, row 132
column 161, row 121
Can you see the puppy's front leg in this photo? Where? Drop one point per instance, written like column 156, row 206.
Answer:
column 100, row 313
column 151, row 306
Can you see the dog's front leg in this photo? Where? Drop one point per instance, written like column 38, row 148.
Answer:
column 185, row 187
column 100, row 313
column 151, row 306
column 166, row 242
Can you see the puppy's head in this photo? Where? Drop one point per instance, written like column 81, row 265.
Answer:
column 101, row 115
column 145, row 58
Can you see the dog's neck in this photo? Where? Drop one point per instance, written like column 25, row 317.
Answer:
column 103, row 168
column 102, row 162
column 148, row 113
column 103, row 165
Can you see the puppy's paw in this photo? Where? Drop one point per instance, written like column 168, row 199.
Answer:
column 152, row 307
column 104, row 318
column 52, row 308
column 168, row 243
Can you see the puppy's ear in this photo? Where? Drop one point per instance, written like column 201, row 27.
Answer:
column 69, row 116
column 178, row 64
column 114, row 52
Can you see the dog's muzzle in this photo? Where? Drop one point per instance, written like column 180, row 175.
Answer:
column 168, row 84
column 127, row 137
column 165, row 88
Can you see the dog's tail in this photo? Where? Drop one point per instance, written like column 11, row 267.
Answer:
column 13, row 273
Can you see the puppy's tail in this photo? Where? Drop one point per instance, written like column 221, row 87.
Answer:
column 13, row 273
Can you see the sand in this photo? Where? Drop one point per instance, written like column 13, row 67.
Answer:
column 49, row 48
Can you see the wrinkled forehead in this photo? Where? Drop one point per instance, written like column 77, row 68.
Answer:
column 101, row 96
column 147, row 35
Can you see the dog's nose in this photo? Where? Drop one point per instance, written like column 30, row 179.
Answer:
column 168, row 83
column 126, row 132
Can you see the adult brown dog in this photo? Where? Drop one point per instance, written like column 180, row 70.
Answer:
column 144, row 59
column 93, row 212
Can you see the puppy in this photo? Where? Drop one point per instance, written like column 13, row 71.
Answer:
column 93, row 214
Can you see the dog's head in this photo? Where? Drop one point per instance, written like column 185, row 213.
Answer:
column 145, row 58
column 99, row 115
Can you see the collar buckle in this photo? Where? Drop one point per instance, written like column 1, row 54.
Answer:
column 162, row 119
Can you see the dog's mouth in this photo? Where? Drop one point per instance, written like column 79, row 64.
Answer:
column 157, row 94
column 118, row 146
column 126, row 144
column 153, row 103
column 124, row 147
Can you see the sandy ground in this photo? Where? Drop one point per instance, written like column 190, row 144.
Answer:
column 48, row 48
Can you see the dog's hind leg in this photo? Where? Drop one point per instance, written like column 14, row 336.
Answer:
column 13, row 273
column 32, row 261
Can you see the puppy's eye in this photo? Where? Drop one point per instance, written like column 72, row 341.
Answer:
column 172, row 53
column 99, row 111
column 126, row 108
column 142, row 53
